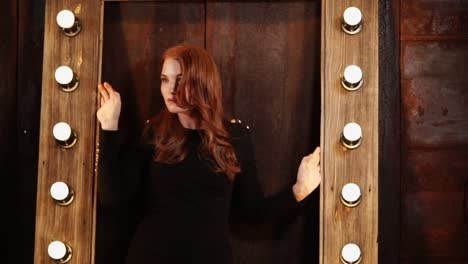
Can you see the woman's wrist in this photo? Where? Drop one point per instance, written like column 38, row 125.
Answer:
column 300, row 193
column 110, row 127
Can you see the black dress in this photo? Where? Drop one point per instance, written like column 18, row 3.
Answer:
column 186, row 206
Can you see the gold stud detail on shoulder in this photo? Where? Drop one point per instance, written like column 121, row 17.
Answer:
column 233, row 120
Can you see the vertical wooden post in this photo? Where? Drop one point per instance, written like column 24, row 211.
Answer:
column 73, row 224
column 340, row 224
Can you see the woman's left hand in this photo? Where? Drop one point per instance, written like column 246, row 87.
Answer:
column 308, row 175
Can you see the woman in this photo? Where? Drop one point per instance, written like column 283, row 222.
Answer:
column 196, row 170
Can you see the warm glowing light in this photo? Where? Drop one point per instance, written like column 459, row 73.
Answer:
column 66, row 19
column 353, row 74
column 62, row 131
column 64, row 75
column 352, row 132
column 351, row 254
column 59, row 191
column 351, row 194
column 352, row 16
column 59, row 251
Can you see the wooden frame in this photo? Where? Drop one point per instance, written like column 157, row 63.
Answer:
column 339, row 225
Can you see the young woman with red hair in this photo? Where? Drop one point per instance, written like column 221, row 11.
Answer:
column 195, row 168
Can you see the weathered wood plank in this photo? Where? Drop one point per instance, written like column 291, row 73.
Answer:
column 341, row 225
column 72, row 224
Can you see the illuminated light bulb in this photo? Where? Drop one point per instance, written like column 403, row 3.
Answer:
column 66, row 78
column 64, row 135
column 61, row 193
column 351, row 136
column 352, row 78
column 352, row 20
column 68, row 22
column 59, row 252
column 351, row 254
column 351, row 195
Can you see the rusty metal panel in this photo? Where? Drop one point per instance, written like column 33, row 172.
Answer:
column 436, row 225
column 435, row 17
column 433, row 206
column 434, row 98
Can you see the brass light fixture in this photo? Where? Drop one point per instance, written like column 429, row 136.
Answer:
column 61, row 193
column 351, row 254
column 64, row 135
column 351, row 79
column 351, row 136
column 352, row 20
column 69, row 23
column 59, row 252
column 66, row 78
column 351, row 195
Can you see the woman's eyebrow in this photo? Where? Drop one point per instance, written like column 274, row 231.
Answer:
column 178, row 75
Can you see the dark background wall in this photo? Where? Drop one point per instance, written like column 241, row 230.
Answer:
column 21, row 47
column 430, row 42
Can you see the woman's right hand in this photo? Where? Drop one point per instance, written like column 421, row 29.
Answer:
column 109, row 112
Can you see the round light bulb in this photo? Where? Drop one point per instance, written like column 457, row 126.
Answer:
column 351, row 194
column 352, row 16
column 352, row 74
column 64, row 75
column 62, row 131
column 66, row 19
column 352, row 132
column 59, row 251
column 352, row 136
column 351, row 254
column 59, row 191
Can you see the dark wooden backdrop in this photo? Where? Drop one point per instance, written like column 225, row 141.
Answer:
column 269, row 58
column 433, row 223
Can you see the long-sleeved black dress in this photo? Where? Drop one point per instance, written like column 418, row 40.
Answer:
column 187, row 207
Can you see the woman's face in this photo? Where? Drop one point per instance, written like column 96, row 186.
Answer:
column 171, row 75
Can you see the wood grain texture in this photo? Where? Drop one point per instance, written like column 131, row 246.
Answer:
column 72, row 224
column 268, row 56
column 341, row 225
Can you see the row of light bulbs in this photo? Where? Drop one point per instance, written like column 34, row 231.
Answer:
column 65, row 136
column 351, row 137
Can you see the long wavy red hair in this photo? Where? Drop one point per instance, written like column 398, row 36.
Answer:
column 200, row 91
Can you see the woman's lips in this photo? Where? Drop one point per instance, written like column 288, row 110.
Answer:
column 172, row 100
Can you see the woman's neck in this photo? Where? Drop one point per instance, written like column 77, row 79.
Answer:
column 187, row 121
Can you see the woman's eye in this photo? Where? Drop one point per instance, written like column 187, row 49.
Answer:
column 163, row 80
